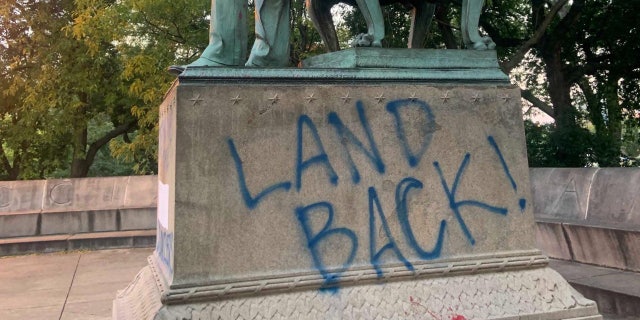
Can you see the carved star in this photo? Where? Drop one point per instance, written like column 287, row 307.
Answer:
column 196, row 99
column 346, row 98
column 476, row 97
column 445, row 97
column 310, row 98
column 413, row 96
column 380, row 98
column 274, row 99
column 506, row 98
column 236, row 99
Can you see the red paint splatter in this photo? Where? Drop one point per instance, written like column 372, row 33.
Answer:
column 416, row 302
column 458, row 317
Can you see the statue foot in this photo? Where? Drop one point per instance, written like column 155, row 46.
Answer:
column 176, row 70
column 364, row 40
column 489, row 42
column 485, row 43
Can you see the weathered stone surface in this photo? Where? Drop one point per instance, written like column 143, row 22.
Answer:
column 539, row 293
column 18, row 225
column 594, row 196
column 70, row 206
column 424, row 135
column 596, row 246
column 138, row 218
column 66, row 242
column 562, row 193
column 596, row 209
column 77, row 194
column 21, row 196
column 614, row 198
column 84, row 194
column 551, row 240
column 630, row 247
column 141, row 192
column 276, row 187
column 78, row 222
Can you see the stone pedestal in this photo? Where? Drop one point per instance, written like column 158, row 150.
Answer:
column 345, row 193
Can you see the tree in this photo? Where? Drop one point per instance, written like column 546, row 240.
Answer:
column 575, row 61
column 30, row 137
column 585, row 51
column 54, row 86
column 71, row 67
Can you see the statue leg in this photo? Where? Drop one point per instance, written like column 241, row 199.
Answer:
column 375, row 22
column 421, row 17
column 227, row 34
column 320, row 13
column 271, row 48
column 471, row 10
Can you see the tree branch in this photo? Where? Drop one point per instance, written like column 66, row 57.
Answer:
column 5, row 161
column 517, row 57
column 96, row 145
column 536, row 102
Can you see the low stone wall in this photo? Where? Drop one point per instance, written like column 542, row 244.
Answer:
column 72, row 206
column 589, row 215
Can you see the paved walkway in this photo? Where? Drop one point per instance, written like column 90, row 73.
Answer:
column 82, row 285
column 76, row 285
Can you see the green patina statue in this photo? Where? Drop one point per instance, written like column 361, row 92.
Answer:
column 228, row 35
column 228, row 41
column 422, row 14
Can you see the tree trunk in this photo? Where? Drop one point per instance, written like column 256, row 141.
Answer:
column 79, row 165
column 13, row 171
column 447, row 34
column 568, row 137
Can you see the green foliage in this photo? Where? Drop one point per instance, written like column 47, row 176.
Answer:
column 305, row 40
column 580, row 69
column 81, row 81
column 396, row 20
column 539, row 148
column 73, row 68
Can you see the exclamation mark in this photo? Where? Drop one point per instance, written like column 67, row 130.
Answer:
column 522, row 202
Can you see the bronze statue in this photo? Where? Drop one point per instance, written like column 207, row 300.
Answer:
column 228, row 35
column 423, row 10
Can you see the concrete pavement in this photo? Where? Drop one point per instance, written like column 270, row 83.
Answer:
column 75, row 285
column 83, row 284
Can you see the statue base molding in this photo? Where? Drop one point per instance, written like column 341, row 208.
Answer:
column 524, row 294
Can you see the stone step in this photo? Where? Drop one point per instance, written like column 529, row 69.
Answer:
column 80, row 241
column 617, row 292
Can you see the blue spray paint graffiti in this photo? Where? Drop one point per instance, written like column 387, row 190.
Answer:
column 522, row 202
column 456, row 205
column 164, row 247
column 391, row 245
column 376, row 216
column 331, row 278
column 430, row 126
column 402, row 192
column 320, row 159
column 249, row 200
column 346, row 135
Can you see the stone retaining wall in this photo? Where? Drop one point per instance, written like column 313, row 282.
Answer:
column 589, row 215
column 72, row 206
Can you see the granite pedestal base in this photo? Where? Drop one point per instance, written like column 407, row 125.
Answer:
column 365, row 193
